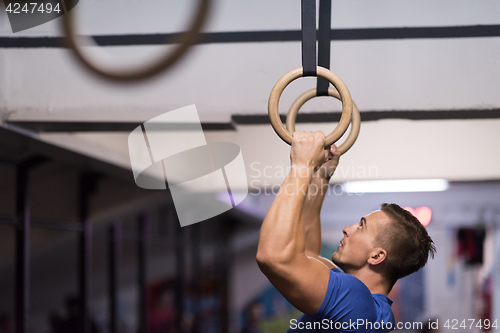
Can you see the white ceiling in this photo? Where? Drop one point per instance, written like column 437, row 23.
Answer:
column 228, row 79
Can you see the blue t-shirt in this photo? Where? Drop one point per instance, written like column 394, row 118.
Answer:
column 348, row 306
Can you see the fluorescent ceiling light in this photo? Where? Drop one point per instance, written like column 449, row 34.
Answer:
column 404, row 185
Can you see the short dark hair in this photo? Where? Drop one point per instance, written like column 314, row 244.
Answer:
column 406, row 241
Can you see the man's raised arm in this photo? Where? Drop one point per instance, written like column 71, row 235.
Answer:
column 281, row 251
column 312, row 206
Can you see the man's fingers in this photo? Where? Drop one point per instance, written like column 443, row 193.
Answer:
column 321, row 136
column 320, row 132
column 335, row 152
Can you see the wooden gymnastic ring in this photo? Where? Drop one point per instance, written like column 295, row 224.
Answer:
column 285, row 80
column 355, row 120
column 187, row 39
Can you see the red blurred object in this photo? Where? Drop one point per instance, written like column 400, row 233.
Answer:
column 423, row 214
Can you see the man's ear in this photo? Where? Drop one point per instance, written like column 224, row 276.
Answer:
column 377, row 256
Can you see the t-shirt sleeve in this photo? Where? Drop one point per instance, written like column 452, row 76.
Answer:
column 347, row 299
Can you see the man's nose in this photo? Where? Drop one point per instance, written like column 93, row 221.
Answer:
column 348, row 230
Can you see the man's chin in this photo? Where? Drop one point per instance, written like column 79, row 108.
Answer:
column 337, row 261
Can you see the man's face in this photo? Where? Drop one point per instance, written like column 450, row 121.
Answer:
column 358, row 243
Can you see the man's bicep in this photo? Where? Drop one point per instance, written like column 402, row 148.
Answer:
column 302, row 282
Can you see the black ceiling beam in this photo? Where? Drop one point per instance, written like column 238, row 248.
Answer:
column 109, row 126
column 472, row 31
column 253, row 119
column 323, row 117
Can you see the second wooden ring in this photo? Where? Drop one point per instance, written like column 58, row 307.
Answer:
column 302, row 99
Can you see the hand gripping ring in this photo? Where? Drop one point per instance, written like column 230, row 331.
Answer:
column 294, row 74
column 355, row 121
column 135, row 74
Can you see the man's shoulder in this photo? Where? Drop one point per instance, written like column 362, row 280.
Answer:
column 359, row 293
column 348, row 281
column 346, row 297
column 347, row 301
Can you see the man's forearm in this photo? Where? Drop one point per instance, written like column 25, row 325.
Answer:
column 311, row 215
column 282, row 235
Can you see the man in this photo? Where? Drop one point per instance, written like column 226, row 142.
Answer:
column 374, row 253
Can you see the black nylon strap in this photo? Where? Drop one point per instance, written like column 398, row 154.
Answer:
column 309, row 37
column 324, row 38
